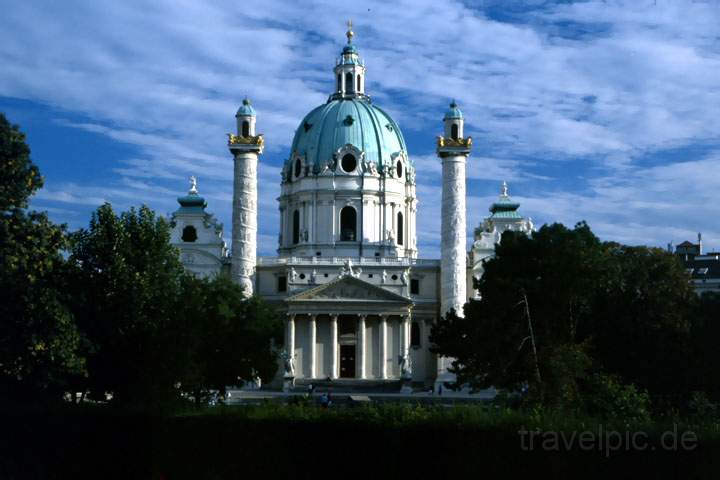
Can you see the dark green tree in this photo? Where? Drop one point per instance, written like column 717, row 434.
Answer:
column 585, row 305
column 38, row 339
column 127, row 292
column 234, row 335
column 537, row 284
column 705, row 332
column 640, row 326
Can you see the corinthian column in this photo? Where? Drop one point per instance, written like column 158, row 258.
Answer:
column 383, row 346
column 312, row 334
column 333, row 346
column 361, row 347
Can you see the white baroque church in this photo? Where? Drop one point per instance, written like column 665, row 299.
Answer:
column 359, row 302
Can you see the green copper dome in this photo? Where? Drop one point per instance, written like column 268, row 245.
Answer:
column 354, row 121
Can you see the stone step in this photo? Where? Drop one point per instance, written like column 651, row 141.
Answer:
column 348, row 385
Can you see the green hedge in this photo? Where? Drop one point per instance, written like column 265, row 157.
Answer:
column 238, row 442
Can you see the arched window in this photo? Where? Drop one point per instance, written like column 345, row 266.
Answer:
column 246, row 129
column 348, row 82
column 358, row 84
column 398, row 167
column 189, row 234
column 400, row 229
column 339, row 82
column 454, row 131
column 298, row 167
column 296, row 227
column 415, row 334
column 348, row 224
column 348, row 162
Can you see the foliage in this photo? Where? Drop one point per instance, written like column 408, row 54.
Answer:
column 233, row 335
column 705, row 332
column 126, row 288
column 592, row 307
column 606, row 396
column 640, row 325
column 38, row 338
column 19, row 177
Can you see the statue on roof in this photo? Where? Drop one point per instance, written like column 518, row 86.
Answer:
column 193, row 185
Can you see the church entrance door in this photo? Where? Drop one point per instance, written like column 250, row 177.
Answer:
column 347, row 361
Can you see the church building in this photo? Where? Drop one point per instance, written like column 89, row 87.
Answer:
column 358, row 301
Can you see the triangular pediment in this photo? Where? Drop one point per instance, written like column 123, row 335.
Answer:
column 348, row 288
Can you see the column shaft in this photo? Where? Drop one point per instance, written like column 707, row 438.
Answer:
column 312, row 340
column 333, row 347
column 290, row 340
column 361, row 347
column 383, row 346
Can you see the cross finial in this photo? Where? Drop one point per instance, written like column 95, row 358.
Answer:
column 349, row 33
column 504, row 189
column 193, row 185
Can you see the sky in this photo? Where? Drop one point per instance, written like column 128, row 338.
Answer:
column 603, row 111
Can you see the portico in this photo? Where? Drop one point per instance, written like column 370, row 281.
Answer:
column 348, row 328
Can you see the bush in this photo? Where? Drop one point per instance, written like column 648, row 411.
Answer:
column 607, row 397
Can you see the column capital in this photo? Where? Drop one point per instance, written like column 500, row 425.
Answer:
column 290, row 316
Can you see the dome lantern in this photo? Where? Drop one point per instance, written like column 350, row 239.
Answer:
column 349, row 70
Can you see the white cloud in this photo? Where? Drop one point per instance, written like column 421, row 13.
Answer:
column 598, row 87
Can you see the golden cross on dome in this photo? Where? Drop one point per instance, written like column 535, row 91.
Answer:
column 349, row 33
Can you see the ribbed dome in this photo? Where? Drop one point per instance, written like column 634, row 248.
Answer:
column 352, row 121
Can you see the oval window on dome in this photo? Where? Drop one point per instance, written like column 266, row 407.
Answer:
column 399, row 169
column 348, row 162
column 298, row 167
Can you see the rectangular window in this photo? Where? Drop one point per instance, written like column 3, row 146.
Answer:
column 414, row 286
column 282, row 284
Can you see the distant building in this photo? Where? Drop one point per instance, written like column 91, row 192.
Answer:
column 703, row 268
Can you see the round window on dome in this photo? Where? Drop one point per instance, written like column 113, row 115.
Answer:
column 348, row 162
column 399, row 169
column 298, row 167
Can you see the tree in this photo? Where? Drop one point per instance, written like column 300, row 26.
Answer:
column 19, row 177
column 546, row 276
column 38, row 339
column 234, row 335
column 705, row 331
column 127, row 290
column 640, row 327
column 592, row 306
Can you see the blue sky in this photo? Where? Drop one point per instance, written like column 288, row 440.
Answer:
column 602, row 111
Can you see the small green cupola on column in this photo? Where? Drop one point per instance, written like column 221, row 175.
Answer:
column 349, row 70
column 454, row 122
column 245, row 119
